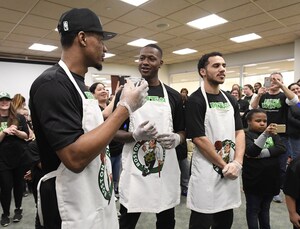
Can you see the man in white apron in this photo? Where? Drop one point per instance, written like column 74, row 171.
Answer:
column 76, row 191
column 150, row 177
column 213, row 123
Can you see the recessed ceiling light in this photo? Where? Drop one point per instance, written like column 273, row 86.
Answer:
column 108, row 55
column 141, row 42
column 136, row 61
column 184, row 51
column 41, row 47
column 135, row 2
column 291, row 59
column 246, row 37
column 207, row 22
column 100, row 78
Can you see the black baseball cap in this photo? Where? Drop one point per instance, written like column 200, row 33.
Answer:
column 82, row 19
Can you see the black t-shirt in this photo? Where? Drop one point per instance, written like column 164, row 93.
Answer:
column 56, row 110
column 175, row 101
column 12, row 148
column 292, row 182
column 196, row 109
column 243, row 105
column 275, row 106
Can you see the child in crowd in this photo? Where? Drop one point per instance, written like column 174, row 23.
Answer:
column 261, row 168
column 291, row 190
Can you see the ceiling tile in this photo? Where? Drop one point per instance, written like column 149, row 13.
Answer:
column 165, row 7
column 141, row 32
column 138, row 17
column 289, row 10
column 31, row 31
column 6, row 27
column 49, row 10
column 119, row 27
column 159, row 37
column 18, row 5
column 274, row 4
column 10, row 15
column 39, row 22
column 216, row 6
column 240, row 12
column 188, row 14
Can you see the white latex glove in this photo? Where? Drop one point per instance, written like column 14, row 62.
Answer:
column 145, row 131
column 133, row 97
column 232, row 170
column 169, row 141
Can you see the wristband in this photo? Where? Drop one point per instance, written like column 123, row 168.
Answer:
column 125, row 104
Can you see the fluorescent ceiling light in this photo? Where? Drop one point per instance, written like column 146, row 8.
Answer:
column 135, row 2
column 207, row 22
column 230, row 71
column 250, row 65
column 141, row 42
column 261, row 68
column 108, row 55
column 136, row 61
column 291, row 59
column 100, row 78
column 184, row 51
column 41, row 47
column 246, row 37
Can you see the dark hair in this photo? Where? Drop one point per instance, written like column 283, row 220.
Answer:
column 67, row 39
column 250, row 87
column 184, row 89
column 250, row 113
column 203, row 62
column 258, row 83
column 93, row 87
column 156, row 47
column 292, row 84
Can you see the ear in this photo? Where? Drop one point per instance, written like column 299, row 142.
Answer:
column 82, row 38
column 202, row 72
column 161, row 63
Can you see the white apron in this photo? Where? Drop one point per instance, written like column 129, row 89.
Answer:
column 208, row 192
column 86, row 199
column 150, row 178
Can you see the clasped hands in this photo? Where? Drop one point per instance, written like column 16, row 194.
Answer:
column 232, row 170
column 147, row 131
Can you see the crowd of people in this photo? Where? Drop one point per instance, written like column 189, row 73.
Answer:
column 83, row 150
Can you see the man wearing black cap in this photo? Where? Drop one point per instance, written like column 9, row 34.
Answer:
column 77, row 190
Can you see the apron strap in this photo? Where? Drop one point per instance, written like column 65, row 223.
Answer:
column 39, row 204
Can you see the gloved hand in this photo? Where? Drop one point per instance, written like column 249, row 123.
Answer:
column 145, row 131
column 232, row 170
column 133, row 97
column 169, row 141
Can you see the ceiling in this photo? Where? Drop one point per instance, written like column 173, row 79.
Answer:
column 277, row 21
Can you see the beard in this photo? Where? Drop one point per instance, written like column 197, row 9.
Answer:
column 98, row 67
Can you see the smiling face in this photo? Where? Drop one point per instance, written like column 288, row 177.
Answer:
column 100, row 93
column 215, row 71
column 296, row 89
column 149, row 62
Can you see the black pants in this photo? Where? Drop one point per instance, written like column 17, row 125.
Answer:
column 51, row 215
column 164, row 219
column 11, row 179
column 219, row 220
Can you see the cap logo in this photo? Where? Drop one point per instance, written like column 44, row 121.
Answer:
column 66, row 25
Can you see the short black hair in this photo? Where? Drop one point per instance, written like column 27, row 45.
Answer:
column 250, row 113
column 203, row 62
column 93, row 87
column 156, row 47
column 67, row 39
column 292, row 84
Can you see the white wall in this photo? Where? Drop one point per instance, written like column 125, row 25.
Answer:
column 18, row 77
